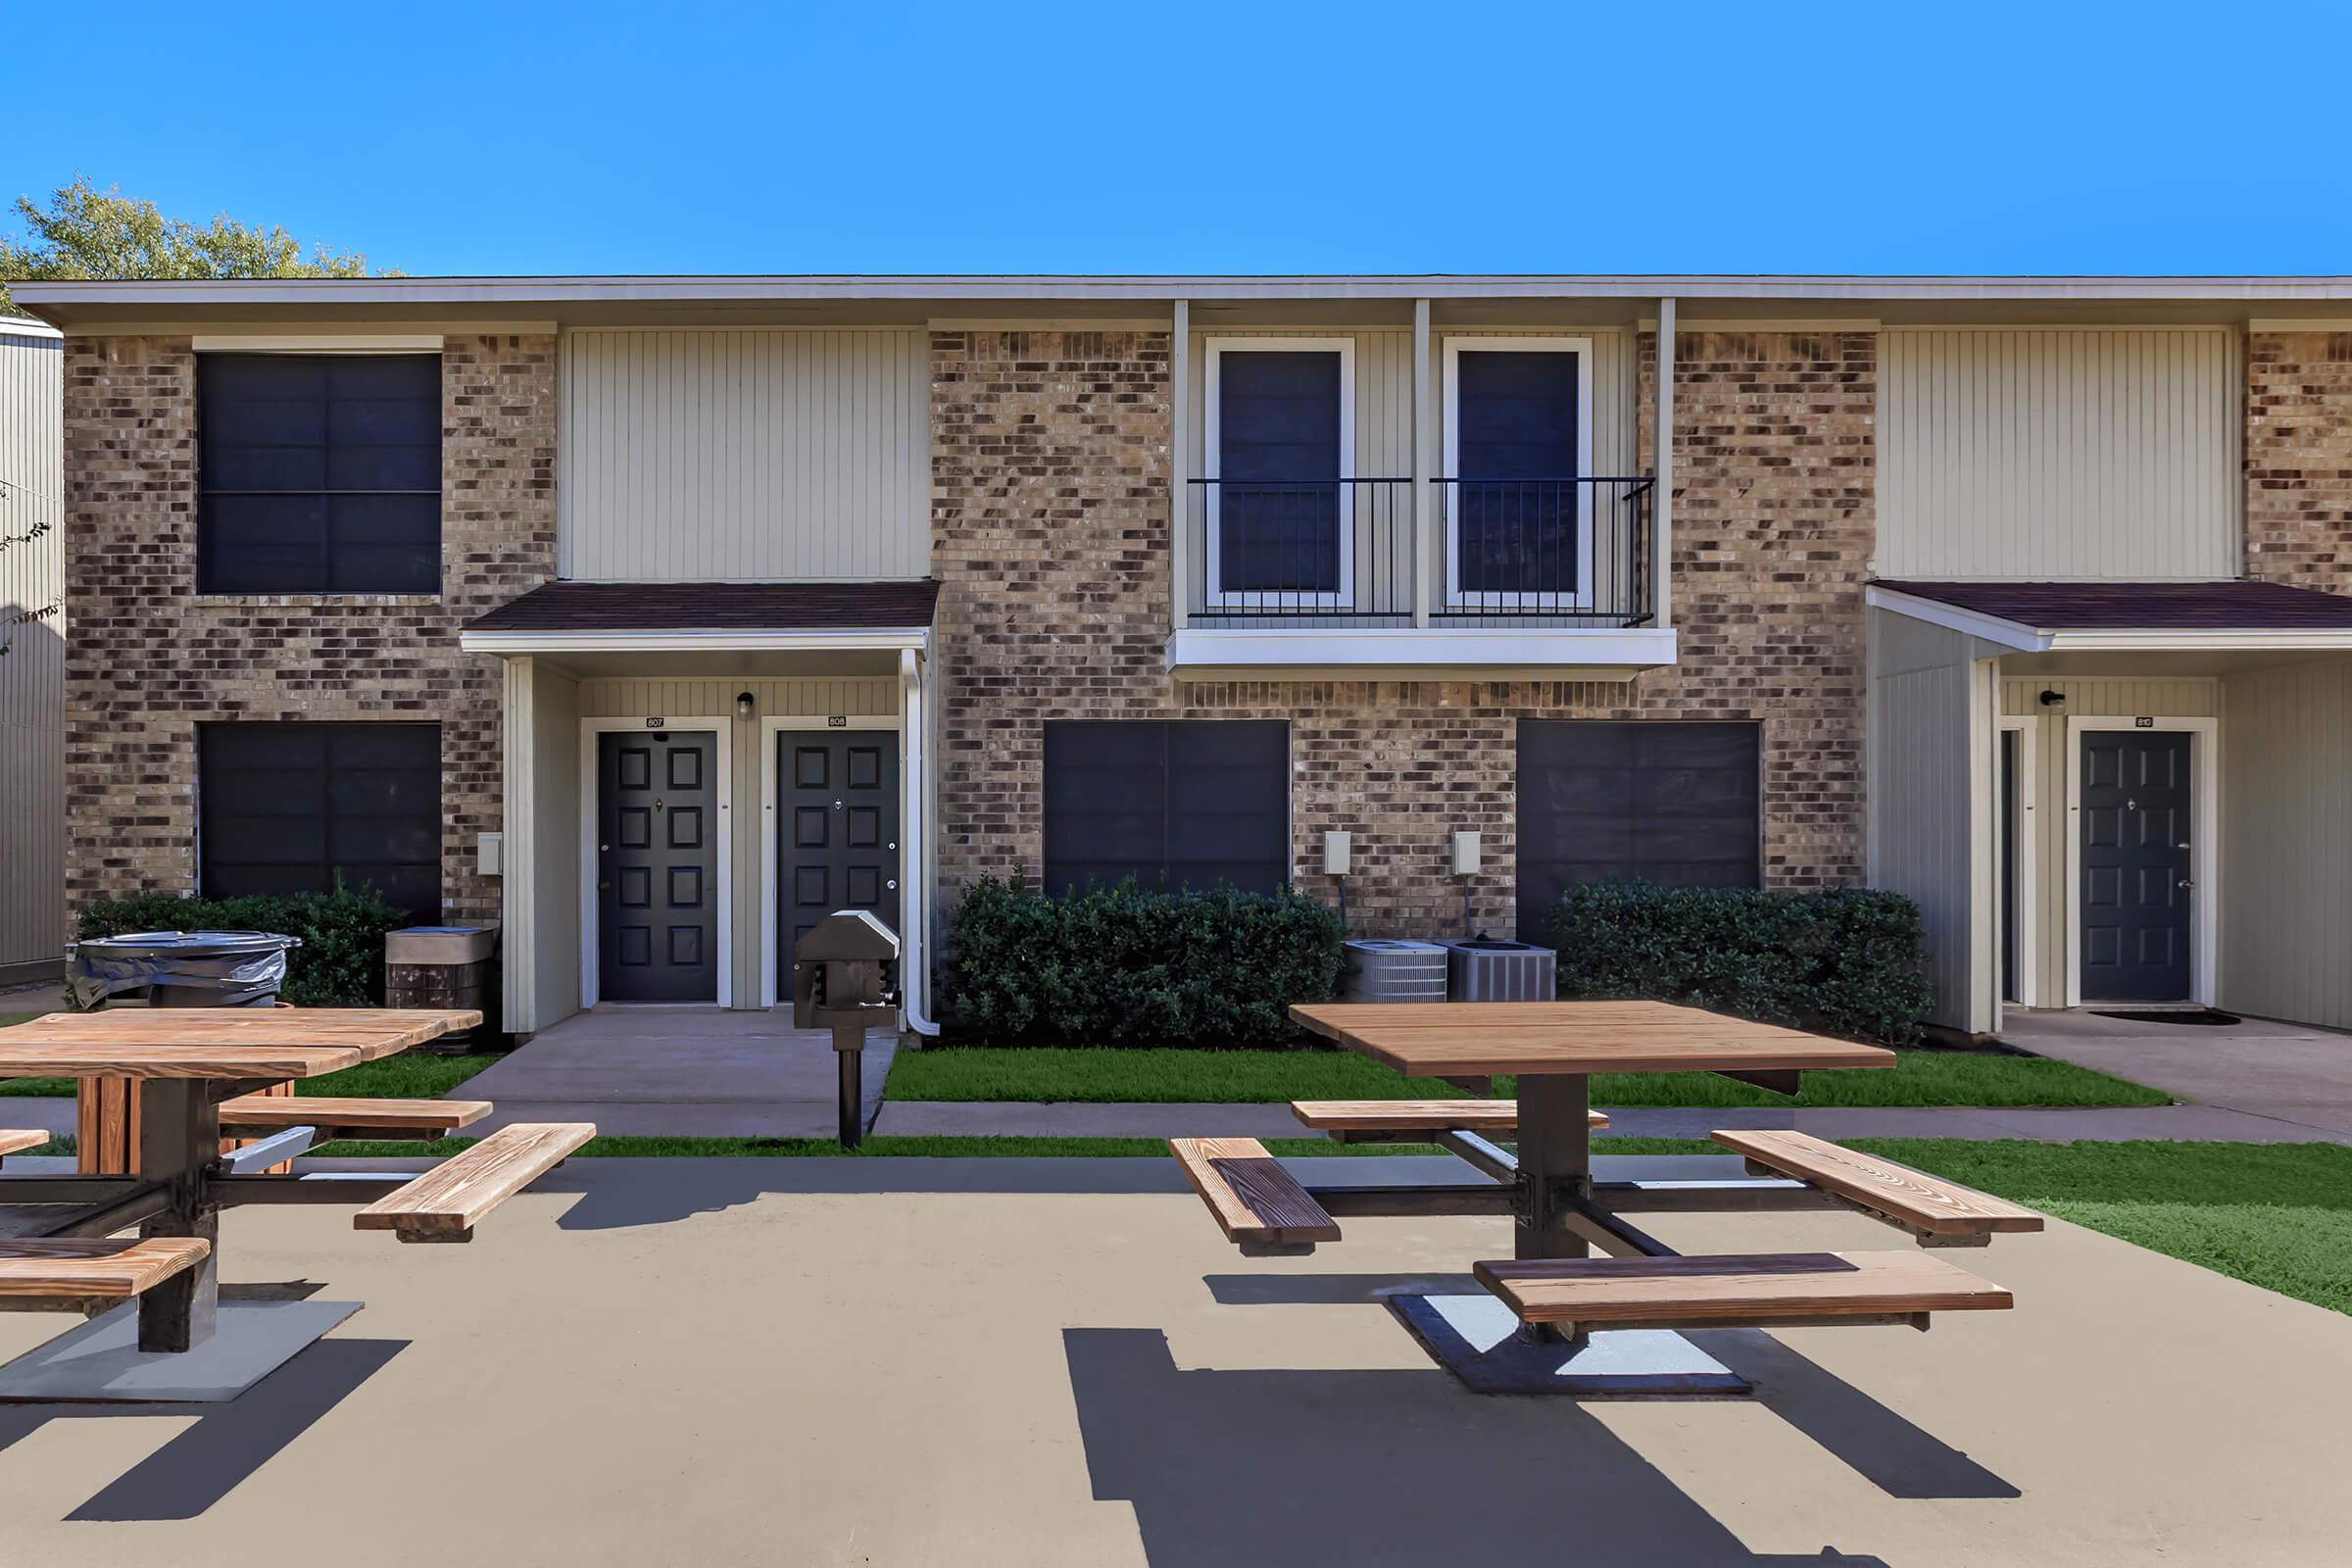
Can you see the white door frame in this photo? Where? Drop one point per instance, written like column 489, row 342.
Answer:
column 722, row 733
column 772, row 725
column 2026, row 895
column 1212, row 467
column 2205, row 899
column 1451, row 499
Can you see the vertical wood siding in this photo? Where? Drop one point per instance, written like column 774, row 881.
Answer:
column 751, row 454
column 2286, row 843
column 2174, row 697
column 1921, row 801
column 33, row 673
column 631, row 699
column 2017, row 452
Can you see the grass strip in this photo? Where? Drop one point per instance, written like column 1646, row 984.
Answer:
column 1165, row 1074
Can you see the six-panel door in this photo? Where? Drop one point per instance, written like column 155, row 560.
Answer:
column 657, row 867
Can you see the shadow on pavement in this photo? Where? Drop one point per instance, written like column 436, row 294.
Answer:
column 226, row 1442
column 1281, row 1467
column 1878, row 1445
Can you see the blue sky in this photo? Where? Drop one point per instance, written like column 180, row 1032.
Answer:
column 1459, row 137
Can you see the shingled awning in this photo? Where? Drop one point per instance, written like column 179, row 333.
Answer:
column 2119, row 615
column 706, row 614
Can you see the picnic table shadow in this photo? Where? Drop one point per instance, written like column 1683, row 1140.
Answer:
column 1878, row 1444
column 224, row 1443
column 1246, row 1466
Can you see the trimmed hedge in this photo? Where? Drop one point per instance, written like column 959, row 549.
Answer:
column 1851, row 962
column 1125, row 966
column 339, row 964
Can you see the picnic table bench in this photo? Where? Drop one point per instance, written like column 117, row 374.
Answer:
column 199, row 1072
column 1534, row 1330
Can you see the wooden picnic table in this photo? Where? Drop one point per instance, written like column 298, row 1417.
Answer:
column 1555, row 1047
column 186, row 1062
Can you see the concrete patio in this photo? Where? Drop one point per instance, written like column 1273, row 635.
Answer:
column 701, row 1072
column 1037, row 1362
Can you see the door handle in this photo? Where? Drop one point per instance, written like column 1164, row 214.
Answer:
column 2188, row 883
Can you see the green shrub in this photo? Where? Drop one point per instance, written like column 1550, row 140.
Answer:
column 1846, row 962
column 1122, row 965
column 339, row 964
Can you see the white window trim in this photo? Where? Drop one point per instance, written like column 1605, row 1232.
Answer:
column 722, row 730
column 2027, row 895
column 1454, row 348
column 1216, row 597
column 911, row 908
column 2205, row 808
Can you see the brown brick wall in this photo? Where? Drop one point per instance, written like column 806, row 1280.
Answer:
column 1051, row 538
column 2299, row 459
column 149, row 659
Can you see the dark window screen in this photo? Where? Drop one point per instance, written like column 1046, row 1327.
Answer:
column 1197, row 801
column 318, row 473
column 284, row 806
column 1278, row 463
column 1516, row 440
column 1670, row 803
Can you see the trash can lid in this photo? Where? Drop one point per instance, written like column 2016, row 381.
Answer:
column 191, row 944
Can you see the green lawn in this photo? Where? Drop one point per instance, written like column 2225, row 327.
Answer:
column 1042, row 1073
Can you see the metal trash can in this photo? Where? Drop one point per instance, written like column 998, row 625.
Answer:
column 1488, row 969
column 179, row 969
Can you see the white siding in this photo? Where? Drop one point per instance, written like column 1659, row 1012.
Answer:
column 2286, row 843
column 2017, row 452
column 632, row 699
column 2173, row 697
column 745, row 454
column 1930, row 806
column 32, row 673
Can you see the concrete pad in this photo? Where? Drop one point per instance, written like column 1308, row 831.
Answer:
column 659, row 1072
column 2286, row 1072
column 101, row 1360
column 1046, row 1362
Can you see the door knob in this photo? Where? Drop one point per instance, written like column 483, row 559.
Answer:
column 2187, row 883
column 605, row 848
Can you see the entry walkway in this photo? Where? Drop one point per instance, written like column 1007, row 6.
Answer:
column 2290, row 1073
column 685, row 1072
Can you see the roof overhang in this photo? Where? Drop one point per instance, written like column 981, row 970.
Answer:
column 691, row 640
column 2027, row 637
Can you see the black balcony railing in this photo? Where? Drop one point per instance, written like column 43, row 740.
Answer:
column 1571, row 552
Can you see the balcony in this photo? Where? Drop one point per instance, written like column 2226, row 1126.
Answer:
column 1540, row 577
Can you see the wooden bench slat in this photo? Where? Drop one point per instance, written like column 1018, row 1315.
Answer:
column 1417, row 1115
column 1255, row 1200
column 1735, row 1289
column 96, row 1267
column 1913, row 1197
column 446, row 1202
column 17, row 1140
column 357, row 1115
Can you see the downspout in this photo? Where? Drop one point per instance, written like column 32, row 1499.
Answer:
column 914, row 861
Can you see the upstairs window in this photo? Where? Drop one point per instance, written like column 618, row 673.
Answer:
column 318, row 473
column 1518, row 442
column 1281, row 417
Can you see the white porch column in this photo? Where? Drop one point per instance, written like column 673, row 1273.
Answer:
column 1425, row 437
column 518, row 936
column 1661, row 511
column 1180, row 452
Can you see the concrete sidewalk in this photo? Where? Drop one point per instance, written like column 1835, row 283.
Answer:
column 2286, row 1071
column 2043, row 1124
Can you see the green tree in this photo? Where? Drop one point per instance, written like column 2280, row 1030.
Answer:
column 88, row 232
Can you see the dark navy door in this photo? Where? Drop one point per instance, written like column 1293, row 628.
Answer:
column 657, row 871
column 839, row 839
column 2137, row 893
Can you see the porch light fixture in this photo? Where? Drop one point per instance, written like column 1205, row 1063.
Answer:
column 745, row 706
column 2051, row 699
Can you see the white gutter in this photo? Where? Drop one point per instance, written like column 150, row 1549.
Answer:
column 914, row 968
column 694, row 641
column 1160, row 289
column 2031, row 639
